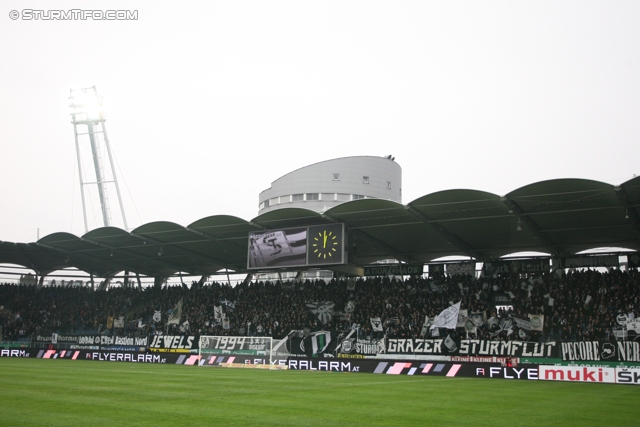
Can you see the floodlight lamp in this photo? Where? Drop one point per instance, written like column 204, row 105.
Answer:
column 86, row 105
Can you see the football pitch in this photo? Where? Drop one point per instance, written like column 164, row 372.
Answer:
column 36, row 392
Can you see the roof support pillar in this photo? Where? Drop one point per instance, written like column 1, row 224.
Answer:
column 388, row 249
column 455, row 240
column 630, row 212
column 248, row 279
column 532, row 226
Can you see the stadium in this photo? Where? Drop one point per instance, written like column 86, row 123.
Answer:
column 388, row 308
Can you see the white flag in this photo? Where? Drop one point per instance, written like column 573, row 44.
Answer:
column 376, row 324
column 537, row 322
column 119, row 322
column 174, row 318
column 448, row 319
column 217, row 312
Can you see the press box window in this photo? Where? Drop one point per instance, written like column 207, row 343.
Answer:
column 313, row 196
column 297, row 197
column 358, row 196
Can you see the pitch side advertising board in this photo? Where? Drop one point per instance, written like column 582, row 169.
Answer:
column 386, row 367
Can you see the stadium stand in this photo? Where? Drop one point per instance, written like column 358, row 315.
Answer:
column 579, row 305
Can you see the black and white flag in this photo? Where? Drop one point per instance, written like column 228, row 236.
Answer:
column 323, row 310
column 450, row 344
column 477, row 318
column 376, row 324
column 217, row 312
column 349, row 307
column 228, row 303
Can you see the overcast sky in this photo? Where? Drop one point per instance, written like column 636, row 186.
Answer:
column 209, row 102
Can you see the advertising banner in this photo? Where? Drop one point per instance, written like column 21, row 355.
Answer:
column 519, row 266
column 97, row 355
column 393, row 269
column 462, row 268
column 93, row 341
column 588, row 261
column 577, row 374
column 174, row 343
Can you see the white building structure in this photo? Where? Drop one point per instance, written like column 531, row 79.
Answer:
column 323, row 185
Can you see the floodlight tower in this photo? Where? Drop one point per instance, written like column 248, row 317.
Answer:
column 88, row 120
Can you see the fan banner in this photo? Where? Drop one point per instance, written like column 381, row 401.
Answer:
column 462, row 268
column 622, row 351
column 471, row 347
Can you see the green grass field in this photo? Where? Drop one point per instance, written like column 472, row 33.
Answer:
column 67, row 393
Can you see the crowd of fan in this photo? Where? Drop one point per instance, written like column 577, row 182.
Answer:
column 275, row 308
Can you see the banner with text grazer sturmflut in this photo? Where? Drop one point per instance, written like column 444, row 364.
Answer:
column 472, row 348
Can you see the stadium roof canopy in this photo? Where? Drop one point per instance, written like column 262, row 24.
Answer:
column 560, row 217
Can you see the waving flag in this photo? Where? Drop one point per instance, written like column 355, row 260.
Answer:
column 448, row 318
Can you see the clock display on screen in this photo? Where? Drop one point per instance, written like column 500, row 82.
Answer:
column 325, row 244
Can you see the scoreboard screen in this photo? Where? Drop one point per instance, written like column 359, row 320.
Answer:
column 296, row 247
